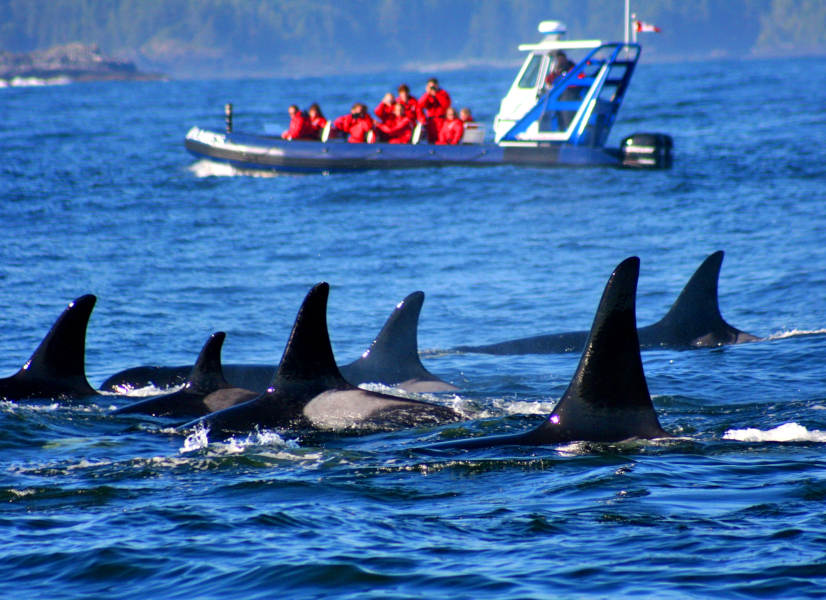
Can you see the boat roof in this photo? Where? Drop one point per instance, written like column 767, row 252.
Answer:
column 560, row 45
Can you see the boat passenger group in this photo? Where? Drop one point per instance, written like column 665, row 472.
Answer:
column 396, row 119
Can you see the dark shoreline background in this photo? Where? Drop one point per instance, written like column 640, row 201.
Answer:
column 192, row 39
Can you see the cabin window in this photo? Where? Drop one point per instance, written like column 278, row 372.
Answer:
column 603, row 54
column 613, row 83
column 617, row 71
column 592, row 68
column 608, row 93
column 531, row 73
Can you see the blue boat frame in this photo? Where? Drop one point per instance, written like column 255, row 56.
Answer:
column 593, row 114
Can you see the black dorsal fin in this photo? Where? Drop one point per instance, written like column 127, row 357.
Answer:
column 694, row 319
column 58, row 365
column 308, row 357
column 393, row 356
column 207, row 374
column 608, row 398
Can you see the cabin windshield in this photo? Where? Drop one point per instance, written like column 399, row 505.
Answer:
column 531, row 72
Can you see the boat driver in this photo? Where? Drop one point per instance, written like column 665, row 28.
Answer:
column 562, row 64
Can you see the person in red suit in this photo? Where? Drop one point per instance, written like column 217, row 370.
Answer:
column 452, row 128
column 561, row 65
column 398, row 128
column 357, row 124
column 384, row 109
column 300, row 128
column 465, row 115
column 432, row 106
column 411, row 105
column 317, row 120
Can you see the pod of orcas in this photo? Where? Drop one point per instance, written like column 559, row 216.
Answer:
column 392, row 360
column 607, row 399
column 693, row 321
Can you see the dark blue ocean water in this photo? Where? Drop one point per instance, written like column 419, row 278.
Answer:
column 97, row 195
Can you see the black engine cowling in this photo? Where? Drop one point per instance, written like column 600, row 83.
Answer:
column 647, row 150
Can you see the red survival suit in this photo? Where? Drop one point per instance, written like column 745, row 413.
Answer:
column 451, row 131
column 356, row 128
column 432, row 108
column 300, row 128
column 384, row 111
column 411, row 108
column 397, row 130
column 317, row 125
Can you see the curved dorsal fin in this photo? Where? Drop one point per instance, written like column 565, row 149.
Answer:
column 608, row 398
column 308, row 357
column 207, row 374
column 694, row 319
column 58, row 365
column 393, row 356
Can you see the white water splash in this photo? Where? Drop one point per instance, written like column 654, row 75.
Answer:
column 142, row 392
column 521, row 407
column 12, row 406
column 788, row 432
column 258, row 438
column 209, row 168
column 196, row 440
column 34, row 81
column 199, row 439
column 782, row 335
column 507, row 406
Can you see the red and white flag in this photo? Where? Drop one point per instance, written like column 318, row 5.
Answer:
column 643, row 27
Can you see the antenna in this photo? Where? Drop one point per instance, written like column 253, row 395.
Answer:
column 627, row 18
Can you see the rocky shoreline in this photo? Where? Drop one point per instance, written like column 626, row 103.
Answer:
column 67, row 63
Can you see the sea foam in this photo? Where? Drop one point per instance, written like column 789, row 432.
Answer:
column 788, row 432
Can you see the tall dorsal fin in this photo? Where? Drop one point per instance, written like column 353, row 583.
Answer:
column 58, row 365
column 608, row 399
column 694, row 319
column 308, row 357
column 207, row 374
column 393, row 356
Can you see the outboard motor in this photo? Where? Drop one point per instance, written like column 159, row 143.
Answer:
column 647, row 150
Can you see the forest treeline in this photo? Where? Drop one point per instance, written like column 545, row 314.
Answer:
column 279, row 37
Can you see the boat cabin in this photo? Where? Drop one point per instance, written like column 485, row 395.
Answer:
column 567, row 91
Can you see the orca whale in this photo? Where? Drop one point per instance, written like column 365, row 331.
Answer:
column 693, row 321
column 205, row 391
column 392, row 359
column 57, row 367
column 607, row 399
column 308, row 391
